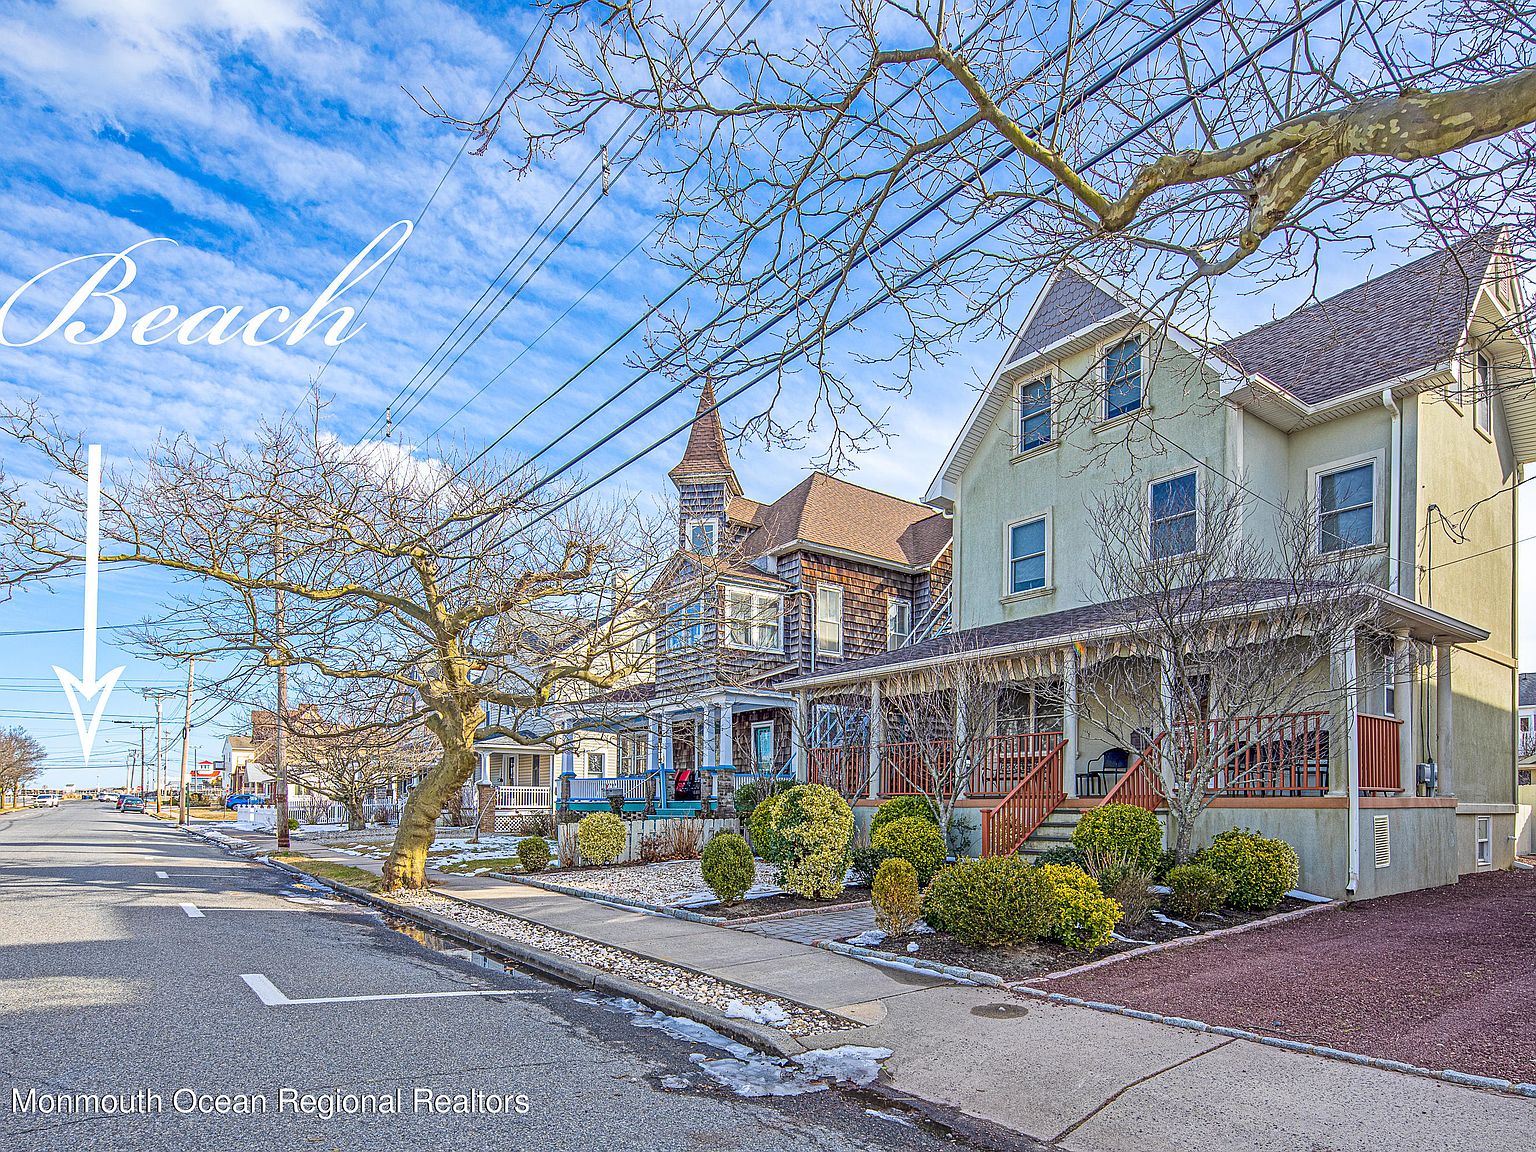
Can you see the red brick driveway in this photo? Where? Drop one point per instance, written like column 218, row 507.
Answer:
column 1444, row 978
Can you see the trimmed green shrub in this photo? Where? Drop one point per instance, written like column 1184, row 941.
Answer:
column 916, row 841
column 865, row 862
column 1123, row 829
column 766, row 841
column 1062, row 854
column 746, row 798
column 894, row 895
column 1262, row 869
column 533, row 853
column 1082, row 917
column 813, row 826
column 989, row 902
column 1166, row 862
column 728, row 866
column 1196, row 889
column 903, row 808
column 601, row 836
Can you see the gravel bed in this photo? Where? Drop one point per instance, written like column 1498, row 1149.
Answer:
column 701, row 989
column 669, row 883
column 1441, row 978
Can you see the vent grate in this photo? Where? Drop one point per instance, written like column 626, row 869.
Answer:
column 1383, row 842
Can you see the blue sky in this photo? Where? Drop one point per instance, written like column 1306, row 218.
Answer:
column 272, row 141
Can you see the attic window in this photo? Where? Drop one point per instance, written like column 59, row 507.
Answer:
column 1035, row 414
column 1482, row 398
column 1122, row 378
column 702, row 537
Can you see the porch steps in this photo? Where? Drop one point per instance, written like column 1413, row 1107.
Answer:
column 1055, row 831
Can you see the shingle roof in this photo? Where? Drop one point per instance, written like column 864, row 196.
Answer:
column 1528, row 689
column 1070, row 304
column 705, row 457
column 833, row 513
column 1402, row 322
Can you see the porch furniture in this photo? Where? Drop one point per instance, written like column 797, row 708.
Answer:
column 1096, row 783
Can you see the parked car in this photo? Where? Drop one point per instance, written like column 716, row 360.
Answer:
column 243, row 798
column 131, row 804
column 108, row 797
column 45, row 800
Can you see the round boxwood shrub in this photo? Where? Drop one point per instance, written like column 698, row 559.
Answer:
column 1262, row 869
column 766, row 841
column 811, row 829
column 989, row 902
column 601, row 836
column 1122, row 829
column 903, row 808
column 894, row 895
column 728, row 866
column 865, row 862
column 916, row 841
column 1062, row 854
column 1195, row 889
column 1082, row 917
column 533, row 853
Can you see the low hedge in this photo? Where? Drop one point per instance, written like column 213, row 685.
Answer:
column 1261, row 868
column 914, row 840
column 1082, row 917
column 989, row 902
column 601, row 836
column 1122, row 829
column 1195, row 889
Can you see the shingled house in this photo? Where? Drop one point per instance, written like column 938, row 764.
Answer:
column 760, row 591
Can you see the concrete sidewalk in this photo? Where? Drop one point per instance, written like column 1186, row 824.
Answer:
column 1069, row 1076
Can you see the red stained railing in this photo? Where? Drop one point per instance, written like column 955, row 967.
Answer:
column 998, row 764
column 1276, row 755
column 1380, row 768
column 844, row 768
column 1139, row 785
column 1005, row 828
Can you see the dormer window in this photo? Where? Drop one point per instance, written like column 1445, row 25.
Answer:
column 1035, row 414
column 1122, row 378
column 703, row 537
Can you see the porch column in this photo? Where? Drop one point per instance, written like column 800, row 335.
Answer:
column 710, row 724
column 1352, row 753
column 960, row 757
column 568, row 760
column 482, row 768
column 652, row 746
column 1069, row 723
column 799, row 729
column 876, row 738
column 1444, row 720
column 1403, row 708
column 726, row 744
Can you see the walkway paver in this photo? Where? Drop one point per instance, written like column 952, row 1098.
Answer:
column 816, row 926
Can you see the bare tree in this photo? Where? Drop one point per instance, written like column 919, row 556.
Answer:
column 1227, row 625
column 443, row 586
column 350, row 754
column 918, row 162
column 21, row 759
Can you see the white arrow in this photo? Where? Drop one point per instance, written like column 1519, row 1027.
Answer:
column 83, row 688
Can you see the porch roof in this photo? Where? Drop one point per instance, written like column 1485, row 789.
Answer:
column 1107, row 621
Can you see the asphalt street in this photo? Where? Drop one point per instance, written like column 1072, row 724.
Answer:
column 140, row 964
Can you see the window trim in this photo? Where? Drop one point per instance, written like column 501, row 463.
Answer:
column 702, row 522
column 1019, row 447
column 1102, row 370
column 684, row 617
column 890, row 637
column 1315, row 474
column 601, row 755
column 816, row 620
column 752, row 622
column 758, row 725
column 1482, row 838
column 1008, row 558
column 1482, row 393
column 1197, row 472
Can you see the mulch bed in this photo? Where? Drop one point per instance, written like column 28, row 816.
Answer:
column 1443, row 978
column 1027, row 961
column 783, row 902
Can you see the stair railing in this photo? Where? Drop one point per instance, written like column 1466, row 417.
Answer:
column 1141, row 784
column 1005, row 828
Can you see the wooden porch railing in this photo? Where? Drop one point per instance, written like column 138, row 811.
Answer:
column 1276, row 755
column 1139, row 785
column 844, row 768
column 1005, row 828
column 520, row 796
column 998, row 763
column 1378, row 743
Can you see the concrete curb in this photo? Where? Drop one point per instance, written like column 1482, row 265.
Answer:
column 1183, row 941
column 794, row 913
column 874, row 956
column 570, row 973
column 1448, row 1076
column 603, row 898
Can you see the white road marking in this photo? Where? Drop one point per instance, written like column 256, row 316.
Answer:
column 269, row 993
column 162, row 876
column 192, row 910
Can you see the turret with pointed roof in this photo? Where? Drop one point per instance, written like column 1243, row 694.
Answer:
column 705, row 459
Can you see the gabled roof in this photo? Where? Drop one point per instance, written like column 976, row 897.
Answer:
column 1070, row 303
column 823, row 511
column 1403, row 322
column 705, row 458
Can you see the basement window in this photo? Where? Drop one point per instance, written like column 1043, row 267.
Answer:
column 1484, row 838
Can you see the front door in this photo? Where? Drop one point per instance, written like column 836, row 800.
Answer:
column 762, row 747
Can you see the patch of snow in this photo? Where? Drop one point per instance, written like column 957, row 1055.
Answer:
column 675, row 1083
column 870, row 939
column 912, row 947
column 1160, row 889
column 1158, row 916
column 757, row 1077
column 904, row 1121
column 769, row 1012
column 920, row 929
column 1130, row 939
column 849, row 1064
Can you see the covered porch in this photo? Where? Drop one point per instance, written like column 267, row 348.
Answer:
column 518, row 777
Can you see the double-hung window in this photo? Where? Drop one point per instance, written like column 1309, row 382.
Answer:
column 829, row 620
column 1027, row 555
column 596, row 763
column 1346, row 513
column 1035, row 414
column 898, row 623
column 1174, row 517
column 702, row 537
column 1482, row 399
column 686, row 625
column 753, row 619
column 1122, row 378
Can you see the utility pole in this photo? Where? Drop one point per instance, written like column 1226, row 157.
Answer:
column 186, row 736
column 143, row 760
column 158, row 695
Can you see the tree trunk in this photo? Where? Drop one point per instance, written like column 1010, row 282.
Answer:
column 407, row 863
column 1183, row 830
column 356, row 819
